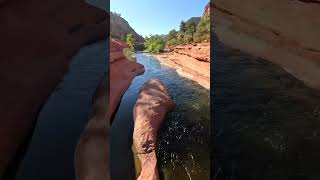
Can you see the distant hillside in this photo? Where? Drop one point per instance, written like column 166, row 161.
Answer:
column 120, row 27
column 196, row 20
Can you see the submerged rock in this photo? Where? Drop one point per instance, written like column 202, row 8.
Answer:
column 150, row 110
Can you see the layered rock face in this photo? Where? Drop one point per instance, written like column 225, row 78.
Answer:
column 122, row 72
column 284, row 32
column 38, row 40
column 92, row 151
column 149, row 112
column 190, row 61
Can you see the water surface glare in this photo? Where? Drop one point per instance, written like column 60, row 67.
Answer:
column 183, row 150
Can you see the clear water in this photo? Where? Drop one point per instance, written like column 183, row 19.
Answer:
column 183, row 150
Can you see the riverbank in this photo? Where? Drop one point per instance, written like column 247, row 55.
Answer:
column 35, row 61
column 190, row 61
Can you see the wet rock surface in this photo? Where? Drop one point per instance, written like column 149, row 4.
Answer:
column 150, row 110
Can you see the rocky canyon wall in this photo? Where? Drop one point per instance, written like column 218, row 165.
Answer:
column 284, row 32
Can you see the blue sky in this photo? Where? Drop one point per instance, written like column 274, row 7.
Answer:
column 157, row 16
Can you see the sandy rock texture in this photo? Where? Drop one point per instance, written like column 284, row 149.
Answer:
column 92, row 151
column 150, row 110
column 284, row 32
column 38, row 39
column 122, row 72
column 190, row 61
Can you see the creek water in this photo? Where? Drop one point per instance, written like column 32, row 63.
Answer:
column 266, row 122
column 50, row 154
column 183, row 150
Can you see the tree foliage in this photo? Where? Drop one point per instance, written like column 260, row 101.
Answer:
column 190, row 32
column 154, row 44
column 131, row 41
column 202, row 33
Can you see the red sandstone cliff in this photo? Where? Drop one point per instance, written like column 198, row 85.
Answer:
column 38, row 40
column 190, row 61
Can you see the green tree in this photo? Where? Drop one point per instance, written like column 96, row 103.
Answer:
column 131, row 41
column 182, row 26
column 154, row 44
column 180, row 38
column 202, row 33
column 172, row 38
column 190, row 27
column 172, row 35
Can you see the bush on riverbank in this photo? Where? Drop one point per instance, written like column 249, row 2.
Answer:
column 154, row 44
column 129, row 54
column 131, row 41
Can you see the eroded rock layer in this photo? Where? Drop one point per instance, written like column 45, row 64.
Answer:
column 190, row 61
column 149, row 112
column 284, row 32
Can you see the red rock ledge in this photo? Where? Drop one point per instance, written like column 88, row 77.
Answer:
column 190, row 61
column 122, row 72
column 149, row 112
